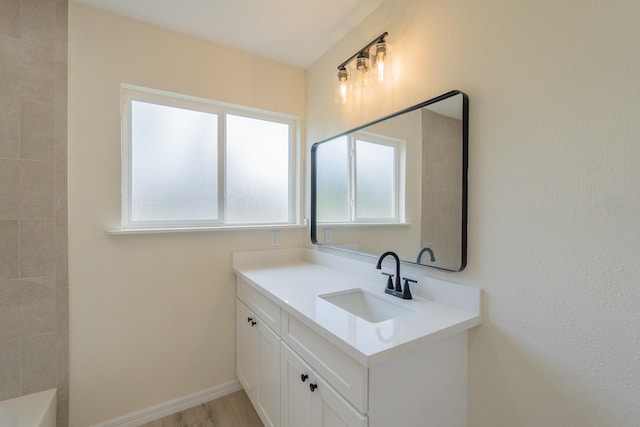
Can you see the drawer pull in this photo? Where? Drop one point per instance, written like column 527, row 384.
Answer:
column 304, row 377
column 313, row 387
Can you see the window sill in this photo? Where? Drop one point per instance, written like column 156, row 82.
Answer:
column 363, row 224
column 128, row 231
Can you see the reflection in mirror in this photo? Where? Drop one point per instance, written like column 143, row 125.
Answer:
column 399, row 183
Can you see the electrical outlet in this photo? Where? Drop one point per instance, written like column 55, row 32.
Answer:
column 328, row 235
column 275, row 238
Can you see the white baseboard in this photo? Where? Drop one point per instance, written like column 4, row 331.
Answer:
column 147, row 415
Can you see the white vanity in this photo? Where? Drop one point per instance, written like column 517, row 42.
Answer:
column 319, row 343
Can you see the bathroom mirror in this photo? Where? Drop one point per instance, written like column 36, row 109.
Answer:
column 397, row 184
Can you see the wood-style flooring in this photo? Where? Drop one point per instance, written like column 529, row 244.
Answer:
column 234, row 410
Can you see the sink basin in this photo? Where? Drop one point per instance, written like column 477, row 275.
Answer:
column 366, row 305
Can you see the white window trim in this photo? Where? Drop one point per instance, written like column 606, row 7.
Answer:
column 399, row 165
column 131, row 93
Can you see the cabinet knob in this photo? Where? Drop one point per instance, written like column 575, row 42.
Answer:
column 313, row 387
column 253, row 323
column 304, row 377
column 249, row 319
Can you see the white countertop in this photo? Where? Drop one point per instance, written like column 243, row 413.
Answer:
column 295, row 285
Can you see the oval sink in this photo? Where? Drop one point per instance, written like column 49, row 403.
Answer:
column 366, row 305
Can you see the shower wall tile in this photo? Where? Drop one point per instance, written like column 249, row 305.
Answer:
column 37, row 135
column 39, row 311
column 60, row 197
column 63, row 366
column 61, row 258
column 26, row 189
column 25, row 82
column 27, row 53
column 10, row 372
column 34, row 305
column 37, row 19
column 60, row 139
column 35, row 196
column 11, row 313
column 61, row 31
column 9, row 247
column 9, row 17
column 39, row 363
column 37, row 248
column 9, row 127
column 27, row 307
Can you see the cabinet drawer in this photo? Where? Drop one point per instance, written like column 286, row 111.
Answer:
column 344, row 374
column 263, row 307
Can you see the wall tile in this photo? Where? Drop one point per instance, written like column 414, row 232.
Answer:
column 9, row 177
column 9, row 247
column 37, row 19
column 9, row 127
column 39, row 363
column 63, row 366
column 37, row 248
column 60, row 197
column 61, row 257
column 27, row 307
column 27, row 53
column 24, row 82
column 10, row 372
column 39, row 299
column 60, row 139
column 9, row 17
column 62, row 309
column 61, row 84
column 11, row 313
column 36, row 131
column 61, row 30
column 35, row 196
column 26, row 189
column 62, row 413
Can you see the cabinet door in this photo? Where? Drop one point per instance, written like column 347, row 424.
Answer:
column 246, row 349
column 296, row 397
column 268, row 385
column 329, row 409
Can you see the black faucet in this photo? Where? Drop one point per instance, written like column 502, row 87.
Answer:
column 423, row 250
column 398, row 288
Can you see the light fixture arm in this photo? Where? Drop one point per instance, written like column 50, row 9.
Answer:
column 379, row 39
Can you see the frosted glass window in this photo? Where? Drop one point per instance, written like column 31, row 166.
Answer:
column 257, row 162
column 192, row 162
column 174, row 157
column 375, row 180
column 332, row 182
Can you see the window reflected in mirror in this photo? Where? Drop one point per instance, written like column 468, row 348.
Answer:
column 399, row 183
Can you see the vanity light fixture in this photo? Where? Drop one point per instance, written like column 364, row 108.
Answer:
column 372, row 57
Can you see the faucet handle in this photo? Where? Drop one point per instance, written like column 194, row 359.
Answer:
column 389, row 280
column 406, row 294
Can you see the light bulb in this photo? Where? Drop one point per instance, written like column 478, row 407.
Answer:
column 382, row 63
column 362, row 68
column 342, row 87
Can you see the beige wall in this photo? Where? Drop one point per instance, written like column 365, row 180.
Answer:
column 152, row 316
column 554, row 196
column 33, row 200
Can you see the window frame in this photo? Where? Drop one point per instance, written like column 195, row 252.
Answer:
column 130, row 93
column 399, row 177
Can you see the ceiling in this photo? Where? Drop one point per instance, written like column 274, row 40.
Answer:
column 295, row 32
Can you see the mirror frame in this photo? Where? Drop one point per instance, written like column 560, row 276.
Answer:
column 465, row 184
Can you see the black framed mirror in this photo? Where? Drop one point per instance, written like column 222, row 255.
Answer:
column 398, row 183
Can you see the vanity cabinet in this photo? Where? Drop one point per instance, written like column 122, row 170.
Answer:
column 308, row 400
column 258, row 363
column 297, row 376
